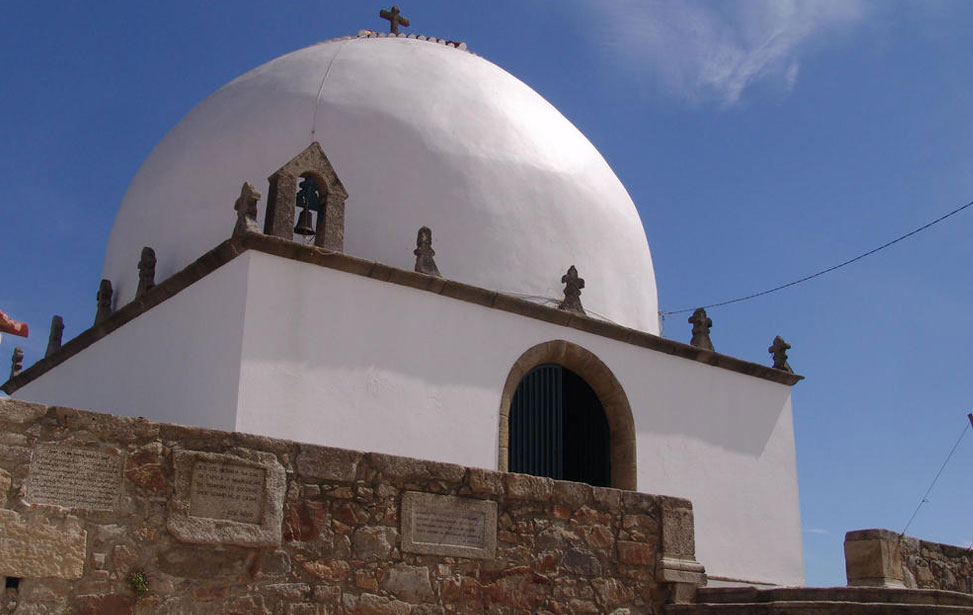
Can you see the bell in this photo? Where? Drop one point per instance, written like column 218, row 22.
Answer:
column 304, row 223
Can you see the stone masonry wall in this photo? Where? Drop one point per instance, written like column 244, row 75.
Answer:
column 107, row 515
column 885, row 558
column 930, row 565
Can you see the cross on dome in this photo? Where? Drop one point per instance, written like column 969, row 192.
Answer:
column 394, row 19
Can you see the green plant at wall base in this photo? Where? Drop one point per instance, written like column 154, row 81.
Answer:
column 139, row 584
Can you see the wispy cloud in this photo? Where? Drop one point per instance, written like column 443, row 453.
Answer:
column 815, row 530
column 706, row 51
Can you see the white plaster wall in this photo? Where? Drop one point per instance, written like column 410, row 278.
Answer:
column 420, row 134
column 338, row 359
column 179, row 362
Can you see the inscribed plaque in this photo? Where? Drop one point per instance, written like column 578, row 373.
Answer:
column 74, row 477
column 234, row 498
column 446, row 525
column 227, row 491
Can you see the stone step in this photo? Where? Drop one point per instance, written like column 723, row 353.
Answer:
column 725, row 595
column 816, row 607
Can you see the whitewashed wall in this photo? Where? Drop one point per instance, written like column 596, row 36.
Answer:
column 334, row 358
column 179, row 362
column 339, row 359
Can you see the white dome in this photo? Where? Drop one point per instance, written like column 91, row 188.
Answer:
column 420, row 134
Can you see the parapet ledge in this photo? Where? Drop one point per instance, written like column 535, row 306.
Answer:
column 268, row 244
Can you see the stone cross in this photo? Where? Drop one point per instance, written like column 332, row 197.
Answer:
column 104, row 301
column 701, row 326
column 395, row 18
column 572, row 291
column 54, row 340
column 146, row 272
column 779, row 349
column 246, row 210
column 17, row 362
column 424, row 253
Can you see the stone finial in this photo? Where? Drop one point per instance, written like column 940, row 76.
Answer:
column 701, row 326
column 17, row 361
column 246, row 210
column 146, row 272
column 104, row 301
column 54, row 340
column 425, row 263
column 572, row 291
column 779, row 349
column 394, row 18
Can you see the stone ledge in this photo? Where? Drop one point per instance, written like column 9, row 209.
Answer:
column 343, row 465
column 231, row 248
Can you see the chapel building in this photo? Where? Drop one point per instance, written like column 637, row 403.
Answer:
column 390, row 244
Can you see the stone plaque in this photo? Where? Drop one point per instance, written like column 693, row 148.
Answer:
column 227, row 491
column 446, row 525
column 234, row 498
column 74, row 477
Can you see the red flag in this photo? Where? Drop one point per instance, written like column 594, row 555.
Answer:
column 7, row 325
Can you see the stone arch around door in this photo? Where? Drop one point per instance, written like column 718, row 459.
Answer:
column 587, row 365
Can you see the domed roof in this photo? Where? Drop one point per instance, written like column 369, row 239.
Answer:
column 420, row 134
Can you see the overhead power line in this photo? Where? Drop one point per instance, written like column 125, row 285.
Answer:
column 829, row 269
column 925, row 496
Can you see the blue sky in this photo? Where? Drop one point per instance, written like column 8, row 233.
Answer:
column 761, row 141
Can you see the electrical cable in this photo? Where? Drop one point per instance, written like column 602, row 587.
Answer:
column 941, row 468
column 824, row 271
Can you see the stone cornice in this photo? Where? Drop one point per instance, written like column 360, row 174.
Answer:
column 231, row 248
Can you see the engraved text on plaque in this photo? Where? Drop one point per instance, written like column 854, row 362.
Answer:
column 445, row 525
column 227, row 491
column 74, row 477
column 464, row 529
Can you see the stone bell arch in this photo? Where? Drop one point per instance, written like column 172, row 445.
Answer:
column 282, row 199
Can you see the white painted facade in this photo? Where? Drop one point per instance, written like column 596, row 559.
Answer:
column 420, row 134
column 339, row 359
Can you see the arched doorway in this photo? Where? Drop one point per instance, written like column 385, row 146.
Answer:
column 558, row 428
column 599, row 378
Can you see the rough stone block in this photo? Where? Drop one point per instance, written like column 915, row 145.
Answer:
column 485, row 481
column 370, row 604
column 34, row 547
column 329, row 464
column 111, row 427
column 636, row 553
column 678, row 529
column 581, row 561
column 406, row 468
column 16, row 411
column 571, row 494
column 527, row 487
column 873, row 558
column 111, row 604
column 374, row 543
column 192, row 562
column 607, row 497
column 611, row 592
column 409, row 583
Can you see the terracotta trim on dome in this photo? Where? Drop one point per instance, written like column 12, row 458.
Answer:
column 231, row 248
column 458, row 45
